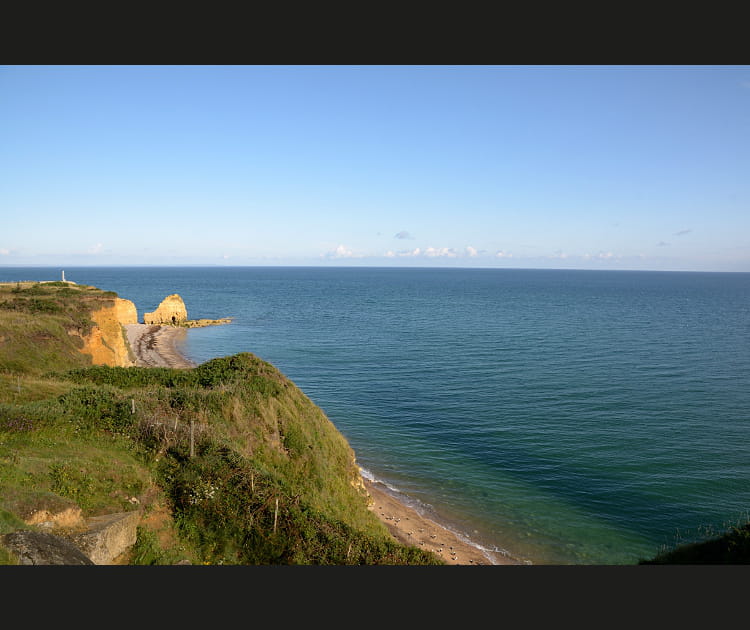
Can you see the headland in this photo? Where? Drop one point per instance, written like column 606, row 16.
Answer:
column 107, row 320
column 159, row 346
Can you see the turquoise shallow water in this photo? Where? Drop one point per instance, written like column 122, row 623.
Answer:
column 566, row 417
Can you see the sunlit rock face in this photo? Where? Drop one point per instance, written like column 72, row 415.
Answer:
column 171, row 311
column 105, row 342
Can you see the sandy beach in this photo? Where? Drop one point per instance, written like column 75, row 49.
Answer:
column 157, row 346
column 408, row 526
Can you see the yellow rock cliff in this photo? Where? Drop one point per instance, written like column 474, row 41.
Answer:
column 106, row 343
column 171, row 311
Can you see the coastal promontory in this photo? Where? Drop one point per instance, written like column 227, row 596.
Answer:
column 227, row 462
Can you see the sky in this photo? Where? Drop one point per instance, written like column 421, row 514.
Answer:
column 587, row 167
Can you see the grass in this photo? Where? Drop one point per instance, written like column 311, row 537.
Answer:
column 229, row 462
column 239, row 466
column 149, row 550
column 730, row 547
column 42, row 324
column 270, row 480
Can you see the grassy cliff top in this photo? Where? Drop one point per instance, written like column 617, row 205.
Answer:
column 42, row 325
column 229, row 462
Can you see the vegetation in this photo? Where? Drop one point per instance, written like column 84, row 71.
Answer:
column 731, row 547
column 42, row 325
column 229, row 462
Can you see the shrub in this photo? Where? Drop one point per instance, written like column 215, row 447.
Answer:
column 733, row 547
column 32, row 306
column 147, row 550
column 97, row 407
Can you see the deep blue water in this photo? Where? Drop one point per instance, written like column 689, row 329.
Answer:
column 585, row 417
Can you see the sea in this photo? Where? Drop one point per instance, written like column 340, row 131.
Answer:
column 552, row 416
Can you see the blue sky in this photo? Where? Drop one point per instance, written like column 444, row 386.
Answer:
column 591, row 167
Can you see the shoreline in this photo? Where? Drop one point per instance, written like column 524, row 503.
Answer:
column 408, row 526
column 156, row 345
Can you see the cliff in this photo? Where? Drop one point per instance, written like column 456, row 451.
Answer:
column 57, row 325
column 225, row 463
column 106, row 342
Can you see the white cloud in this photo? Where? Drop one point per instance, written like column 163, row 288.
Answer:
column 433, row 252
column 96, row 249
column 4, row 252
column 502, row 254
column 342, row 251
column 404, row 252
column 599, row 256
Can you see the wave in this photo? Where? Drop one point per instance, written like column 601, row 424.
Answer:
column 426, row 510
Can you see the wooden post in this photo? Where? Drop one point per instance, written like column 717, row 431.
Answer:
column 132, row 405
column 192, row 438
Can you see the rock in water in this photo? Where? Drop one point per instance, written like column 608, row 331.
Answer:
column 171, row 311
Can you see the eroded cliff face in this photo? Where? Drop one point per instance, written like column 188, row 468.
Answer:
column 107, row 343
column 171, row 311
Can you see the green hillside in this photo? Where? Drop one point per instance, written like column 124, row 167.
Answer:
column 229, row 462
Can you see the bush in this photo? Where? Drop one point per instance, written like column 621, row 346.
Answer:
column 96, row 407
column 32, row 306
column 147, row 551
column 731, row 548
column 37, row 289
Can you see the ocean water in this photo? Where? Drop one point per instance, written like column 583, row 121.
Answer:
column 558, row 416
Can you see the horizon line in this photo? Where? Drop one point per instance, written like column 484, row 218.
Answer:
column 408, row 267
